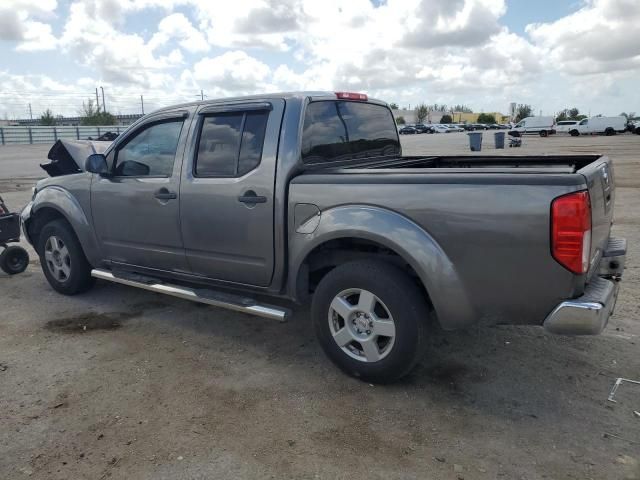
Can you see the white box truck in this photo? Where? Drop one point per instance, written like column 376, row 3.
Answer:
column 601, row 125
column 542, row 126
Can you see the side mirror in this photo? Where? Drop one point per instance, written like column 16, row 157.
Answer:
column 131, row 168
column 97, row 163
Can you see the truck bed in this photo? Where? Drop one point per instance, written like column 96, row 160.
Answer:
column 488, row 213
column 479, row 163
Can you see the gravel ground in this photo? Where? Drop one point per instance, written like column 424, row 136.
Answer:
column 121, row 383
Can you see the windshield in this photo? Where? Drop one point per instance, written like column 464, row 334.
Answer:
column 341, row 130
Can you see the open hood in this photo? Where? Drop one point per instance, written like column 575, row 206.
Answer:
column 68, row 156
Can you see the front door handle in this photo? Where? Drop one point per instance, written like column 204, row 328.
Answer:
column 164, row 194
column 250, row 197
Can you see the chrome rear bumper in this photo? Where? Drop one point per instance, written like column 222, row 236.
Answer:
column 589, row 314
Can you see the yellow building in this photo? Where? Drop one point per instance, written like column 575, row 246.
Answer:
column 460, row 117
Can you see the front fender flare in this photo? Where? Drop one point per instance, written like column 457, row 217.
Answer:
column 401, row 235
column 61, row 200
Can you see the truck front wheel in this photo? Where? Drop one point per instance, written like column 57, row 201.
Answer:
column 370, row 319
column 63, row 262
column 574, row 133
column 543, row 133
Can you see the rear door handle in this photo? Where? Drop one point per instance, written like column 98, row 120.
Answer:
column 164, row 194
column 250, row 197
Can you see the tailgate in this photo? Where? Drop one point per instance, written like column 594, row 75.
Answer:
column 599, row 176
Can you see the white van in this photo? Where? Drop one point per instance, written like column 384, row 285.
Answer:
column 606, row 125
column 542, row 126
column 565, row 126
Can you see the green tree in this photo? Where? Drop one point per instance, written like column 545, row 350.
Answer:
column 629, row 116
column 393, row 106
column 486, row 118
column 523, row 111
column 446, row 118
column 436, row 107
column 47, row 118
column 421, row 113
column 461, row 109
column 573, row 113
column 92, row 115
column 400, row 120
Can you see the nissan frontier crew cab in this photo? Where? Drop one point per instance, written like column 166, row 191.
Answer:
column 307, row 197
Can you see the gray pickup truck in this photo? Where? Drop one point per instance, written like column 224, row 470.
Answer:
column 307, row 197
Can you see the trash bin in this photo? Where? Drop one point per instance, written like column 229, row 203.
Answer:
column 499, row 139
column 475, row 141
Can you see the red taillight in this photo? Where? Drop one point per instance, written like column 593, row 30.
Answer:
column 571, row 231
column 351, row 96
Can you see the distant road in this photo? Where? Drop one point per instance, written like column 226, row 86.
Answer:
column 23, row 161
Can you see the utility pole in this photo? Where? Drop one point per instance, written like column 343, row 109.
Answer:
column 30, row 112
column 201, row 95
column 104, row 107
column 97, row 101
column 142, row 104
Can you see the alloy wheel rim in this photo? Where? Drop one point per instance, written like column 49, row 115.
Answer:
column 57, row 258
column 361, row 325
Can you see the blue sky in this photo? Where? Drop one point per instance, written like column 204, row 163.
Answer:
column 482, row 53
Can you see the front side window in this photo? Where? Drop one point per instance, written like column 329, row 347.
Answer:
column 230, row 143
column 151, row 152
column 584, row 122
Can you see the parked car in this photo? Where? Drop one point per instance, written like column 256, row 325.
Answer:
column 439, row 128
column 468, row 127
column 227, row 201
column 565, row 126
column 455, row 128
column 422, row 128
column 479, row 126
column 599, row 125
column 407, row 130
column 542, row 126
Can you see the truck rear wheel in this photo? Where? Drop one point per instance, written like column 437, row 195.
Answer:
column 63, row 262
column 543, row 133
column 370, row 319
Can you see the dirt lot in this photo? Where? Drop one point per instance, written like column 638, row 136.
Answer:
column 120, row 383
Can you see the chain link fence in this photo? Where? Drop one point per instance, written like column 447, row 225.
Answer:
column 31, row 135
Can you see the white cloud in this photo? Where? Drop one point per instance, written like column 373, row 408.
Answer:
column 601, row 37
column 18, row 24
column 400, row 50
column 115, row 56
column 233, row 71
column 177, row 27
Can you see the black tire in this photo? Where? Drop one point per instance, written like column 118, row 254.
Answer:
column 574, row 133
column 609, row 131
column 79, row 278
column 403, row 299
column 543, row 133
column 13, row 260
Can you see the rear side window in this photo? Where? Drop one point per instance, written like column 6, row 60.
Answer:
column 230, row 144
column 336, row 131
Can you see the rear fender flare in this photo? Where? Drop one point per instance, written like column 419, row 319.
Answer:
column 401, row 235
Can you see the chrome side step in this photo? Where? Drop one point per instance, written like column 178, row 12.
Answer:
column 210, row 297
